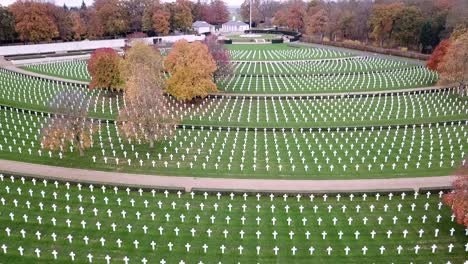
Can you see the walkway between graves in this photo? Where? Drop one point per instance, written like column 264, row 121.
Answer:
column 193, row 183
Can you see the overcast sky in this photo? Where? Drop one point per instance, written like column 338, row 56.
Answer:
column 89, row 2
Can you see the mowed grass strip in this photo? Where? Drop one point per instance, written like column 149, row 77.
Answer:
column 71, row 69
column 283, row 153
column 330, row 111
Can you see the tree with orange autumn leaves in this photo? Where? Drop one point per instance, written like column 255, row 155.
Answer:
column 113, row 16
column 457, row 199
column 438, row 55
column 33, row 21
column 104, row 66
column 78, row 28
column 292, row 16
column 191, row 69
column 69, row 128
column 454, row 65
column 161, row 21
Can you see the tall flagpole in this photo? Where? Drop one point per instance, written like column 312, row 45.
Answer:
column 250, row 23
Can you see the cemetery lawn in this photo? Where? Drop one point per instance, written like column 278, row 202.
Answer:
column 55, row 74
column 280, row 52
column 261, row 36
column 99, row 210
column 280, row 46
column 250, row 150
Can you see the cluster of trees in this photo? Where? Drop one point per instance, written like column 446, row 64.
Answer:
column 36, row 21
column 417, row 24
column 140, row 75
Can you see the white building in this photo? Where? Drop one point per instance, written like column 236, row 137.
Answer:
column 202, row 27
column 235, row 26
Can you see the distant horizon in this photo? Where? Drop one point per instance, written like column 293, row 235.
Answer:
column 77, row 3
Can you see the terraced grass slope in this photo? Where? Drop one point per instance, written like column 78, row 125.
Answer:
column 50, row 222
column 340, row 136
column 74, row 69
column 423, row 150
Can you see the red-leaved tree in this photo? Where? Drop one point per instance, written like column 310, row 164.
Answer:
column 438, row 54
column 220, row 55
column 458, row 197
column 104, row 66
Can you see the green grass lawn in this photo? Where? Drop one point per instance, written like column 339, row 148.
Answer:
column 215, row 151
column 280, row 52
column 306, row 84
column 73, row 70
column 280, row 46
column 294, row 154
column 260, row 36
column 35, row 94
column 332, row 66
column 331, row 112
column 96, row 209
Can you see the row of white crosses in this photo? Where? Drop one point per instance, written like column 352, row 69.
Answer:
column 287, row 54
column 70, row 68
column 34, row 92
column 228, row 110
column 56, row 187
column 342, row 149
column 345, row 150
column 258, row 250
column 340, row 65
column 392, row 79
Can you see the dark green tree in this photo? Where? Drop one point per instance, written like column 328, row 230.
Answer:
column 407, row 27
column 83, row 5
column 427, row 38
column 7, row 25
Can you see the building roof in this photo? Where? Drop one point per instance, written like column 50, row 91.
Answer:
column 235, row 23
column 198, row 24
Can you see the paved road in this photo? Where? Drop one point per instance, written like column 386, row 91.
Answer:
column 189, row 183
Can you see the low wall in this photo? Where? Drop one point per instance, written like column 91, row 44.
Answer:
column 83, row 45
column 393, row 52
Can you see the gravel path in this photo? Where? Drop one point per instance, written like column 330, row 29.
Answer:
column 190, row 183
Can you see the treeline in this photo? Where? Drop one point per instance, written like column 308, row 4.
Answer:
column 37, row 21
column 415, row 24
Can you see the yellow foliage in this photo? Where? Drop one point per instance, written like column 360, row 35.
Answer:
column 138, row 56
column 147, row 115
column 191, row 69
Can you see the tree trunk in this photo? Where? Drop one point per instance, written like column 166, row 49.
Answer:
column 151, row 145
column 81, row 151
